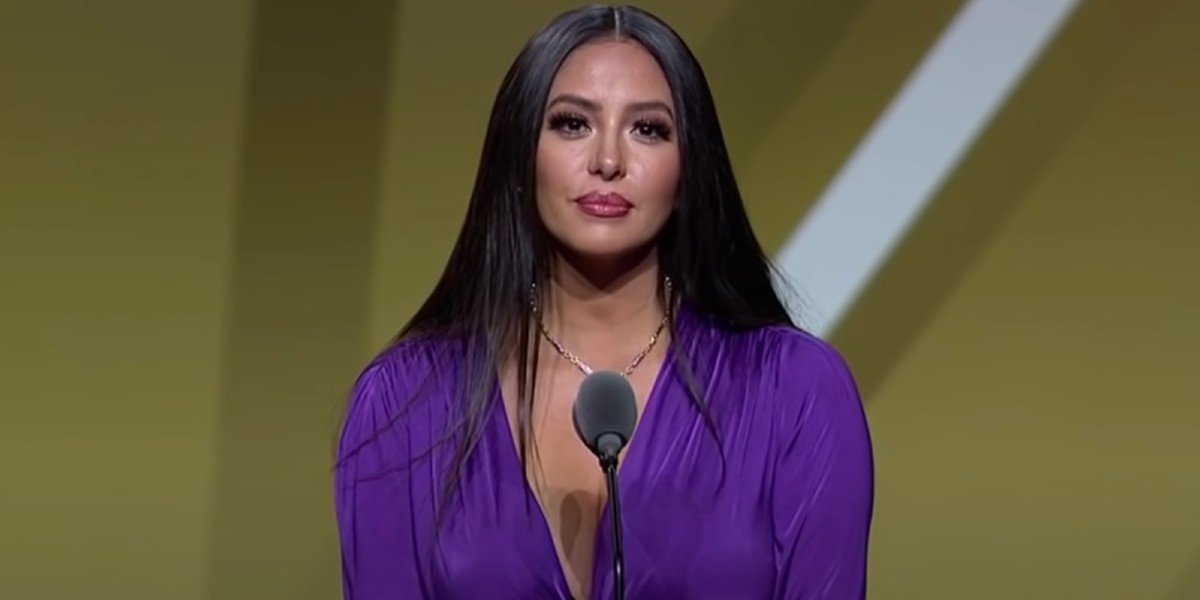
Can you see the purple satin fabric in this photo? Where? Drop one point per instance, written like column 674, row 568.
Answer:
column 780, row 507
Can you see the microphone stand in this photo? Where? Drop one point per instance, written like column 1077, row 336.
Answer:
column 608, row 462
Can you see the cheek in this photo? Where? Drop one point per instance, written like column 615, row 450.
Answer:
column 552, row 171
column 660, row 178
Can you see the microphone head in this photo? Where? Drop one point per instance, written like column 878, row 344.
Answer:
column 605, row 413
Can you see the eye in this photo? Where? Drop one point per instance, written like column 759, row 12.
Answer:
column 654, row 129
column 568, row 123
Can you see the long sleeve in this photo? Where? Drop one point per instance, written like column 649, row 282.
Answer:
column 824, row 480
column 379, row 516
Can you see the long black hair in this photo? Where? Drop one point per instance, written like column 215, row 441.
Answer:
column 707, row 247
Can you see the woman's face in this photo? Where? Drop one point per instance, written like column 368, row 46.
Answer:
column 607, row 159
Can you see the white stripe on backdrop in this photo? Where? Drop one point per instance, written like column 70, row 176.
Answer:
column 898, row 167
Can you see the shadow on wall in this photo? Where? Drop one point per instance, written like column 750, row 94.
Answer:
column 314, row 120
column 1188, row 587
column 792, row 37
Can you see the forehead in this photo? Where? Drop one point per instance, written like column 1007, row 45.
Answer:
column 613, row 70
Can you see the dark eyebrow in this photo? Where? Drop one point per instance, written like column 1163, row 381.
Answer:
column 652, row 105
column 591, row 106
column 579, row 101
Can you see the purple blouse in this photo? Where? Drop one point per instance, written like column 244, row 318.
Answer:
column 779, row 507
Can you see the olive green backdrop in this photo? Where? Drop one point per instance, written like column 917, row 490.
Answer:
column 211, row 213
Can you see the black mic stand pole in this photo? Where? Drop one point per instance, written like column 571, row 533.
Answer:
column 608, row 462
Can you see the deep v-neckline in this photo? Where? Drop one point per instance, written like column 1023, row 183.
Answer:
column 628, row 466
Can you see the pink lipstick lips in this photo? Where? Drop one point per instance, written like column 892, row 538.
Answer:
column 604, row 205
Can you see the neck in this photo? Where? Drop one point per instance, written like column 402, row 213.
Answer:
column 593, row 306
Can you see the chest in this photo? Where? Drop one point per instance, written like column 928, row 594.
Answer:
column 563, row 475
column 558, row 462
column 696, row 513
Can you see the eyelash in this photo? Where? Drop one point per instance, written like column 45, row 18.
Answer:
column 658, row 127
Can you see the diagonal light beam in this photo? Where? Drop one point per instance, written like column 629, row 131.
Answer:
column 921, row 136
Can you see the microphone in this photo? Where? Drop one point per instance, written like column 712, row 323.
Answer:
column 604, row 416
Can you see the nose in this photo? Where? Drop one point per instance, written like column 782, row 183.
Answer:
column 608, row 160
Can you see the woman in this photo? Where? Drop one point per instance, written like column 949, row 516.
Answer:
column 605, row 231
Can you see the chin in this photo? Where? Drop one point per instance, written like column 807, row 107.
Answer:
column 606, row 249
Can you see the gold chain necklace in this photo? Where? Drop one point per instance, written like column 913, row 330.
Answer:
column 584, row 367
